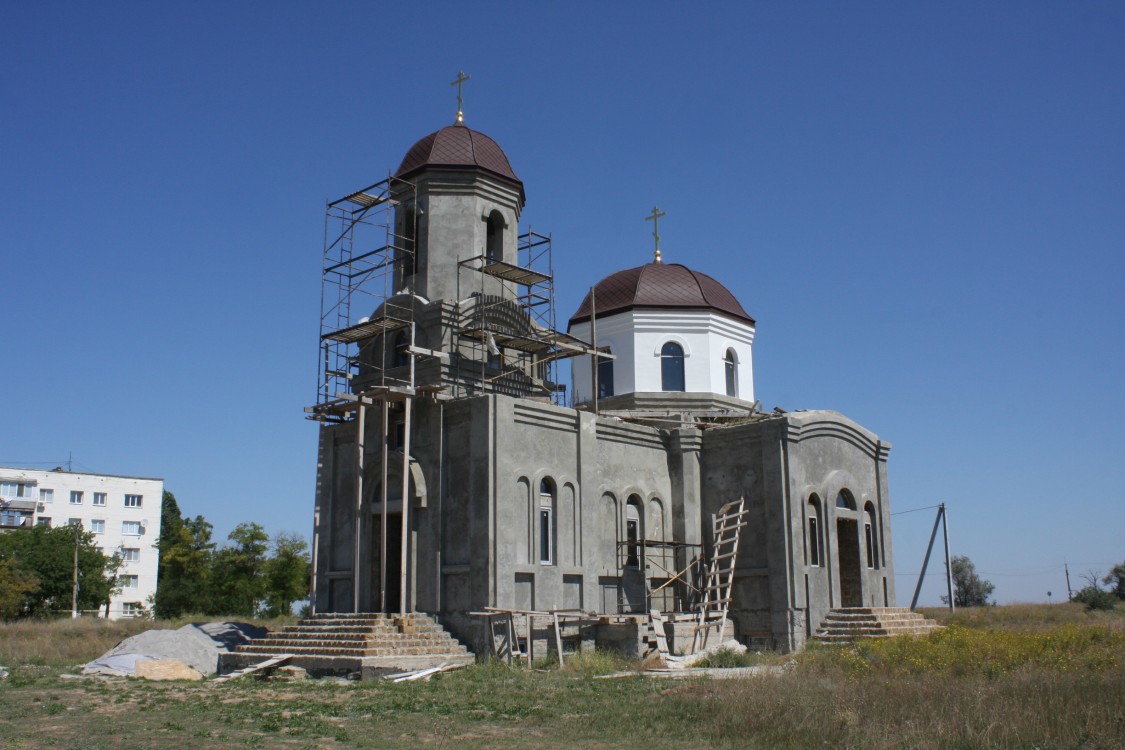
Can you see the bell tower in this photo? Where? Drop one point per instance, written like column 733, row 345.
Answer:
column 466, row 204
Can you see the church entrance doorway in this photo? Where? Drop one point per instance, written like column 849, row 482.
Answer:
column 847, row 542
column 394, row 561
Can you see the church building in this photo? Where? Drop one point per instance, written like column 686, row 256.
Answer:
column 456, row 473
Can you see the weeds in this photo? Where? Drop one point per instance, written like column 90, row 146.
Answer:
column 995, row 678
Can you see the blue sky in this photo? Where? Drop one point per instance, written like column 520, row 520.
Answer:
column 920, row 203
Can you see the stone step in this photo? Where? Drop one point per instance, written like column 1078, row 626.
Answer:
column 855, row 623
column 284, row 643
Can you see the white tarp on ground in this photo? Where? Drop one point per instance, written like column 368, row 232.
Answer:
column 197, row 645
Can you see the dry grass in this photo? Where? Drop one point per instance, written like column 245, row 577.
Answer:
column 64, row 642
column 1029, row 616
column 1028, row 677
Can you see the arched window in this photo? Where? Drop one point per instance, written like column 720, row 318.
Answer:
column 546, row 521
column 869, row 535
column 605, row 377
column 845, row 500
column 813, row 528
column 730, row 365
column 634, row 532
column 494, row 237
column 400, row 357
column 407, row 243
column 672, row 367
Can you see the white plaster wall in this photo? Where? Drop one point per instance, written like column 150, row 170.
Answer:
column 114, row 512
column 636, row 337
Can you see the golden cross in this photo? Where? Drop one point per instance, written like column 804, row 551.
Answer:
column 461, row 78
column 655, row 219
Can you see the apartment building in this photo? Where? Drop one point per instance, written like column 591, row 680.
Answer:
column 122, row 512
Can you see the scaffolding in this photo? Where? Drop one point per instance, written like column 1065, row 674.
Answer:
column 508, row 342
column 367, row 352
column 366, row 324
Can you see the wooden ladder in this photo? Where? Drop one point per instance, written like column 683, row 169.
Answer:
column 727, row 527
column 656, row 628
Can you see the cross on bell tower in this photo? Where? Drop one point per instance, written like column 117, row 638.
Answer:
column 461, row 78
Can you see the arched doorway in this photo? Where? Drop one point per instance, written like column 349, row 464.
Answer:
column 849, row 551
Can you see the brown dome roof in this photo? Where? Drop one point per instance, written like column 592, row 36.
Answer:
column 457, row 146
column 660, row 286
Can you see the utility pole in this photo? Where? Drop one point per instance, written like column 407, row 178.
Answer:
column 948, row 567
column 1069, row 594
column 74, row 587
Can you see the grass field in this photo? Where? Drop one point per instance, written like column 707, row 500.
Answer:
column 1019, row 677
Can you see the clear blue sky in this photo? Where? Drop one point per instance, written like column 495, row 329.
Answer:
column 922, row 204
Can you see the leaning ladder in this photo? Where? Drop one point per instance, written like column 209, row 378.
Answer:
column 726, row 528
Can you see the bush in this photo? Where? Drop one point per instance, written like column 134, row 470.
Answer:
column 1095, row 598
column 725, row 658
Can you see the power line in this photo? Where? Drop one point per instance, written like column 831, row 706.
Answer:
column 914, row 510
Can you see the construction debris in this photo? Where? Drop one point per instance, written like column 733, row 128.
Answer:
column 166, row 669
column 197, row 645
column 262, row 666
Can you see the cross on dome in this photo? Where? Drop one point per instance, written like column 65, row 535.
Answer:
column 655, row 219
column 461, row 78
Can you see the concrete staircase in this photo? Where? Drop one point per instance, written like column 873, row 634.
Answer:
column 853, row 623
column 341, row 643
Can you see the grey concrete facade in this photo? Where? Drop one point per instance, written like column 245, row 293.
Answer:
column 476, row 540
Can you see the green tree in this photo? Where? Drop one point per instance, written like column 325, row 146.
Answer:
column 15, row 586
column 287, row 574
column 48, row 554
column 186, row 552
column 238, row 581
column 1115, row 579
column 969, row 589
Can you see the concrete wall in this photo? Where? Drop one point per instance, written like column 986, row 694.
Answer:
column 475, row 533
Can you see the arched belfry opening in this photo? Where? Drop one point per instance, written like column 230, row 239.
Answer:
column 494, row 237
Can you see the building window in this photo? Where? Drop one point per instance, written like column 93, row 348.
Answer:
column 814, row 531
column 46, row 496
column 605, row 377
column 869, row 536
column 845, row 500
column 97, row 526
column 130, row 554
column 546, row 522
column 75, row 498
column 730, row 365
column 74, row 522
column 131, row 528
column 43, row 521
column 128, row 581
column 11, row 518
column 132, row 609
column 634, row 534
column 99, row 498
column 494, row 239
column 400, row 357
column 133, row 501
column 16, row 489
column 672, row 367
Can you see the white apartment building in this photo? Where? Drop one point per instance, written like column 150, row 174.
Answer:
column 122, row 512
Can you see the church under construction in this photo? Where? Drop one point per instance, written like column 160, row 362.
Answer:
column 458, row 477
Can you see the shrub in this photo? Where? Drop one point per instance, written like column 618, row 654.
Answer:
column 1095, row 598
column 727, row 658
